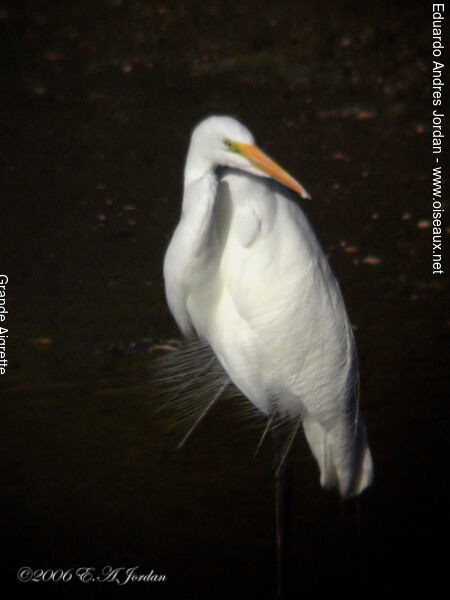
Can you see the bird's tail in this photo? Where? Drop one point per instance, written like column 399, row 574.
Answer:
column 343, row 455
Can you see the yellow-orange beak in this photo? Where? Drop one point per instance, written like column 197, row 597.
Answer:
column 266, row 164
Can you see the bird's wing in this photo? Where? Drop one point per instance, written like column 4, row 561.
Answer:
column 267, row 250
column 283, row 300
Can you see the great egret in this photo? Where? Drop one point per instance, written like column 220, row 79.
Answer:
column 244, row 272
column 246, row 277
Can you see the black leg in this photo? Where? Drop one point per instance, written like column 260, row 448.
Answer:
column 282, row 482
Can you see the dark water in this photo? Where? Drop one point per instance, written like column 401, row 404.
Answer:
column 98, row 102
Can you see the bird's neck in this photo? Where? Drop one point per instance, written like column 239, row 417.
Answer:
column 196, row 166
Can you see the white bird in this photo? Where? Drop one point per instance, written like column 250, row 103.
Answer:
column 245, row 273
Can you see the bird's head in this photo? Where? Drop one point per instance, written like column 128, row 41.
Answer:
column 223, row 141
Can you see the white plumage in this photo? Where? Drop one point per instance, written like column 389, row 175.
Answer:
column 244, row 272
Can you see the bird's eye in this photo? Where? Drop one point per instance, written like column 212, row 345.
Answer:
column 231, row 146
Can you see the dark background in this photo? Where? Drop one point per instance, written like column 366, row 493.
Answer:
column 98, row 102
